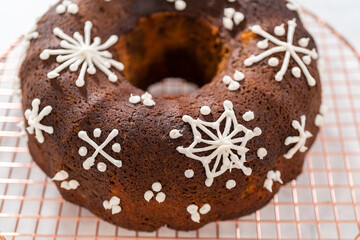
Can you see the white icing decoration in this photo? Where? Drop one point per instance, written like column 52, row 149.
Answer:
column 23, row 132
column 287, row 47
column 83, row 151
column 34, row 118
column 306, row 59
column 273, row 62
column 233, row 84
column 304, row 42
column 231, row 18
column 70, row 185
column 299, row 140
column 261, row 152
column 205, row 110
column 116, row 147
column 230, row 184
column 31, row 35
column 227, row 149
column 180, row 5
column 280, row 30
column 320, row 119
column 113, row 205
column 97, row 132
column 101, row 167
column 195, row 212
column 134, row 99
column 17, row 87
column 61, row 176
column 156, row 188
column 271, row 177
column 296, row 72
column 174, row 134
column 293, row 6
column 264, row 44
column 248, row 116
column 67, row 6
column 80, row 51
column 323, row 109
column 189, row 173
column 90, row 161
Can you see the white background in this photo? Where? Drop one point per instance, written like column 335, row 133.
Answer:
column 16, row 16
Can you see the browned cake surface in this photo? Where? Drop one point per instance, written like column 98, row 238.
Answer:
column 155, row 42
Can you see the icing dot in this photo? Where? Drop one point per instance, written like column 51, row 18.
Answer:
column 205, row 110
column 134, row 99
column 180, row 5
column 227, row 80
column 319, row 120
column 116, row 147
column 115, row 210
column 146, row 95
column 263, row 44
column 273, row 62
column 323, row 109
column 83, row 151
column 148, row 195
column 248, row 116
column 192, row 209
column 174, row 134
column 73, row 8
column 304, row 42
column 60, row 176
column 149, row 102
column 195, row 217
column 306, row 59
column 101, row 167
column 230, row 184
column 279, row 30
column 233, row 86
column 228, row 23
column 261, row 152
column 156, row 187
column 238, row 18
column 229, row 12
column 296, row 72
column 205, row 209
column 238, row 76
column 189, row 173
column 160, row 197
column 97, row 132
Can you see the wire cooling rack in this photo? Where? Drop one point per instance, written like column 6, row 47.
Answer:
column 323, row 203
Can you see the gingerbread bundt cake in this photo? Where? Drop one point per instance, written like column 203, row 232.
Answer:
column 142, row 161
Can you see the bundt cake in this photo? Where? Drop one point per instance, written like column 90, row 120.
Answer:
column 141, row 161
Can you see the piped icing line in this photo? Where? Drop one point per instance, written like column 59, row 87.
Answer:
column 226, row 148
column 232, row 18
column 233, row 82
column 299, row 140
column 78, row 51
column 34, row 118
column 156, row 188
column 61, row 176
column 271, row 178
column 320, row 119
column 113, row 204
column 290, row 50
column 67, row 6
column 146, row 99
column 180, row 5
column 195, row 212
column 99, row 149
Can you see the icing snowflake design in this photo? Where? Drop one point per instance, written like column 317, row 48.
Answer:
column 290, row 50
column 78, row 51
column 99, row 149
column 299, row 140
column 34, row 118
column 226, row 146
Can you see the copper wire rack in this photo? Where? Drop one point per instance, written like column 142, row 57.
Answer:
column 323, row 203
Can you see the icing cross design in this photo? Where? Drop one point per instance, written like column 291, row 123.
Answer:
column 34, row 118
column 224, row 145
column 99, row 149
column 78, row 51
column 299, row 140
column 290, row 50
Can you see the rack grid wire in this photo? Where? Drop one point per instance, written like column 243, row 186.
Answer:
column 323, row 203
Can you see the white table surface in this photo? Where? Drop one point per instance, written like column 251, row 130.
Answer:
column 16, row 16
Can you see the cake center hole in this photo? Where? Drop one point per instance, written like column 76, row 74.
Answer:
column 171, row 53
